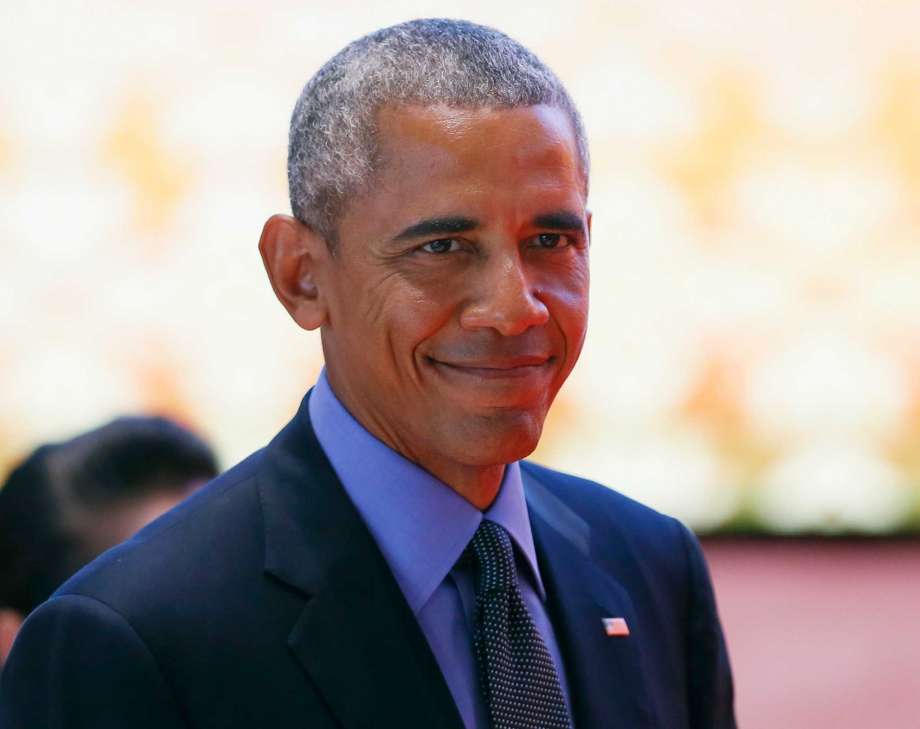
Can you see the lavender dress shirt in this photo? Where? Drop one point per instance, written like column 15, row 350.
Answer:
column 422, row 526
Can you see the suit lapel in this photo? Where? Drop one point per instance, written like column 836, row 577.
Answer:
column 604, row 673
column 356, row 637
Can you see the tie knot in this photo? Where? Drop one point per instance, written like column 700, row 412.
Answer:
column 491, row 547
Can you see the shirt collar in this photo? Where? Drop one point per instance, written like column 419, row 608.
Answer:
column 420, row 524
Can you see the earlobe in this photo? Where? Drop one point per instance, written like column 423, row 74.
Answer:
column 292, row 254
column 10, row 622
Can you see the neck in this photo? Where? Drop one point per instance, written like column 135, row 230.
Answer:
column 477, row 484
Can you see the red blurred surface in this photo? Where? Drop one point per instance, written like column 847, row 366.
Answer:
column 821, row 633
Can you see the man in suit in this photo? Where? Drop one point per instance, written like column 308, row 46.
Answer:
column 387, row 560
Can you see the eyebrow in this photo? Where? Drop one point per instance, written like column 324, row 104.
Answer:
column 563, row 220
column 438, row 226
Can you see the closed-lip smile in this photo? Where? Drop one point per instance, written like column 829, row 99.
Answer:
column 497, row 368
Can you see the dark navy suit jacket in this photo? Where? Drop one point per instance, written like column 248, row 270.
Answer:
column 263, row 601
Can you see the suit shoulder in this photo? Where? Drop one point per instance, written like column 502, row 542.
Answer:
column 617, row 524
column 200, row 529
column 76, row 653
column 591, row 498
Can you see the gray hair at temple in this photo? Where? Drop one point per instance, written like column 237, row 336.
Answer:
column 332, row 153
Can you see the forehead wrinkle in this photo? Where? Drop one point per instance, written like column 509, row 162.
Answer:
column 402, row 137
column 437, row 138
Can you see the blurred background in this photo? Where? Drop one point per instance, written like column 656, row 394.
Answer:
column 753, row 359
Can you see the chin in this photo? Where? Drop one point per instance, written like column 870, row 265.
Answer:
column 492, row 441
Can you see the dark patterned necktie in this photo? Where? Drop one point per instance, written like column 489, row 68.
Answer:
column 517, row 673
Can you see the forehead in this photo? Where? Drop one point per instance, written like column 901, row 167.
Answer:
column 438, row 158
column 440, row 135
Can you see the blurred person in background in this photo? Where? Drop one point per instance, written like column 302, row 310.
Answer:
column 388, row 560
column 68, row 502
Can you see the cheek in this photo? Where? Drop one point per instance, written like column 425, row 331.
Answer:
column 566, row 296
column 405, row 319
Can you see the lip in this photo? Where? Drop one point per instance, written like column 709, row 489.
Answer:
column 497, row 369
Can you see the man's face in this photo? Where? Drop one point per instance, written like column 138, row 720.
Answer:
column 457, row 298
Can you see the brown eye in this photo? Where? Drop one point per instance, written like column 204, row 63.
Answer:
column 550, row 240
column 442, row 245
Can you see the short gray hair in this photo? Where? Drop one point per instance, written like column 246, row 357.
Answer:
column 332, row 152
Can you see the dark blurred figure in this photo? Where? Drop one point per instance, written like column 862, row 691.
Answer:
column 69, row 502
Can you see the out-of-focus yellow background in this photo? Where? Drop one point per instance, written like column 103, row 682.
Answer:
column 753, row 360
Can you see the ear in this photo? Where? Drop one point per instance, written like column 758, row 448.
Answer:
column 292, row 254
column 10, row 622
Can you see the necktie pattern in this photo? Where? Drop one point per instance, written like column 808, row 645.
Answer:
column 517, row 673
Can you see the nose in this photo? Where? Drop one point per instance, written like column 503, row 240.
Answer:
column 506, row 300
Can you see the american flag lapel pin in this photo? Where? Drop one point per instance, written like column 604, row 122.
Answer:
column 615, row 627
